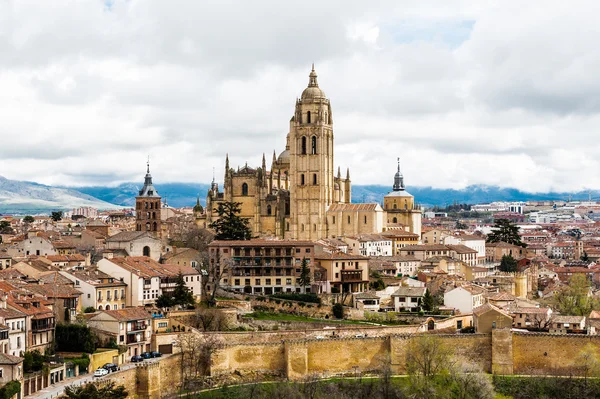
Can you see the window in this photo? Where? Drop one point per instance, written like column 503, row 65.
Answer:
column 395, row 220
column 314, row 227
column 245, row 189
column 237, row 281
column 257, row 281
column 114, row 307
column 302, row 179
column 303, row 148
column 302, row 227
column 314, row 179
column 307, row 250
column 365, row 220
column 277, row 281
column 348, row 219
column 269, row 210
column 288, row 281
column 313, row 145
column 297, row 250
column 268, row 281
column 308, row 117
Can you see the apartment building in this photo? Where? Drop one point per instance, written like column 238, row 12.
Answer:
column 129, row 326
column 99, row 290
column 262, row 266
column 344, row 272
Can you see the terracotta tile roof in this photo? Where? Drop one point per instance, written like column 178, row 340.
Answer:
column 261, row 243
column 399, row 233
column 425, row 247
column 531, row 310
column 146, row 267
column 462, row 249
column 127, row 314
column 93, row 276
column 568, row 319
column 10, row 359
column 410, row 291
column 339, row 255
column 478, row 311
column 66, row 258
column 54, row 290
column 353, row 207
column 63, row 245
column 180, row 251
column 9, row 313
column 125, row 236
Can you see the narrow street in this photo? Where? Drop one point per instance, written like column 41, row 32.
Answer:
column 57, row 389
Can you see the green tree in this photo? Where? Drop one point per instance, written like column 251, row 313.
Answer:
column 304, row 278
column 506, row 231
column 28, row 219
column 5, row 227
column 56, row 215
column 575, row 299
column 585, row 257
column 165, row 301
column 508, row 264
column 182, row 294
column 377, row 285
column 74, row 338
column 229, row 225
column 338, row 311
column 89, row 309
column 428, row 303
column 108, row 390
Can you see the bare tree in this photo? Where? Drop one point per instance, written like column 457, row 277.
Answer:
column 196, row 355
column 427, row 355
column 213, row 271
column 199, row 238
column 208, row 319
column 539, row 321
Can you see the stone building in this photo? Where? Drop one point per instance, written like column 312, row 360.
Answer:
column 301, row 196
column 148, row 207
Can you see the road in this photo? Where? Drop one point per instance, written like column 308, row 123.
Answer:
column 55, row 390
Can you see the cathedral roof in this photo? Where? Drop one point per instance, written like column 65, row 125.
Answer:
column 313, row 91
column 284, row 157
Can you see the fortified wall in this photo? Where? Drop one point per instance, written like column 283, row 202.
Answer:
column 502, row 352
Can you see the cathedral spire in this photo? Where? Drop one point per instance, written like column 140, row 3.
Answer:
column 348, row 174
column 274, row 161
column 148, row 190
column 226, row 162
column 398, row 179
column 312, row 78
column 264, row 163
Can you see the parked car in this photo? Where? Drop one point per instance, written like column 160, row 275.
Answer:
column 156, row 354
column 136, row 359
column 147, row 355
column 100, row 372
column 110, row 367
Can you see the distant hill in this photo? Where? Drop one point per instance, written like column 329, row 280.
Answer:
column 185, row 194
column 22, row 197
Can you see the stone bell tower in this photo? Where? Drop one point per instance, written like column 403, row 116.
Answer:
column 148, row 207
column 310, row 143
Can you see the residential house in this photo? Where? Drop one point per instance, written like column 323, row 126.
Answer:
column 129, row 326
column 561, row 324
column 345, row 272
column 367, row 300
column 464, row 298
column 15, row 322
column 146, row 279
column 136, row 244
column 532, row 318
column 434, row 236
column 369, row 245
column 489, row 317
column 263, row 266
column 473, row 272
column 11, row 369
column 400, row 239
column 5, row 260
column 32, row 244
column 494, row 251
column 65, row 298
column 475, row 242
column 99, row 290
column 394, row 266
column 444, row 263
column 464, row 254
column 182, row 256
column 408, row 299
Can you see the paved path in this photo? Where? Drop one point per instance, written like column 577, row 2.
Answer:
column 55, row 390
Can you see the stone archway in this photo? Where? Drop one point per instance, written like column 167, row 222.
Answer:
column 430, row 324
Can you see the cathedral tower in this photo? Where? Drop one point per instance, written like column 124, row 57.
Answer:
column 147, row 207
column 310, row 142
column 400, row 206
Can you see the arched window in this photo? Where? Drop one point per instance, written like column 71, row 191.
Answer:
column 107, row 307
column 146, row 205
column 303, row 227
column 314, row 179
column 395, row 206
column 154, row 226
column 153, row 215
column 308, row 117
column 314, row 227
column 100, row 307
column 405, row 205
column 245, row 189
column 151, row 205
column 302, row 179
column 269, row 210
column 148, row 226
column 313, row 145
column 139, row 227
column 146, row 251
column 348, row 219
column 395, row 220
column 303, row 145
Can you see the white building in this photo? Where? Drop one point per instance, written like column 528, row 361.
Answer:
column 464, row 298
column 475, row 242
column 408, row 299
column 15, row 321
column 136, row 243
column 369, row 245
column 147, row 279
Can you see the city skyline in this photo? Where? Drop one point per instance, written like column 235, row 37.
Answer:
column 463, row 94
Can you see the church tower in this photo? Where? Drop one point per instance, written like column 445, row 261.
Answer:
column 400, row 206
column 147, row 207
column 310, row 142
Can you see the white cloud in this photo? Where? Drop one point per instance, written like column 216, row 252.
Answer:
column 492, row 93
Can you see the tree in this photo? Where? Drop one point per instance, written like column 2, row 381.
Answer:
column 212, row 273
column 377, row 285
column 304, row 278
column 428, row 356
column 181, row 294
column 585, row 257
column 208, row 319
column 338, row 310
column 428, row 303
column 508, row 264
column 506, row 231
column 229, row 225
column 198, row 239
column 164, row 301
column 196, row 354
column 108, row 390
column 28, row 219
column 575, row 299
column 56, row 216
column 5, row 227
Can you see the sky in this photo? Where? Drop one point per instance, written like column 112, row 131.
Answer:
column 500, row 93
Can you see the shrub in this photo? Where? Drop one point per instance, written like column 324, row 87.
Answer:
column 338, row 311
column 10, row 389
column 89, row 309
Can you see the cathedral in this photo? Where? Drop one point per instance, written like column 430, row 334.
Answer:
column 302, row 195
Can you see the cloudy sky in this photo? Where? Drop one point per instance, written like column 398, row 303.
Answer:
column 500, row 93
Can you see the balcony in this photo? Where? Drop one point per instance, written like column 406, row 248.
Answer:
column 134, row 339
column 352, row 276
column 38, row 325
column 137, row 327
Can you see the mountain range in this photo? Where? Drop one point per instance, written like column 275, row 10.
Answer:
column 22, row 197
